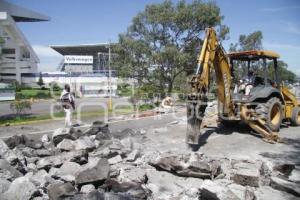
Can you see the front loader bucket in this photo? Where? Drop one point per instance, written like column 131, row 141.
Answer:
column 195, row 114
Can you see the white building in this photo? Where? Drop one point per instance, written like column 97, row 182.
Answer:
column 84, row 85
column 17, row 56
column 87, row 70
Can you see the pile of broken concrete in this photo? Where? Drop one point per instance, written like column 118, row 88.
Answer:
column 94, row 163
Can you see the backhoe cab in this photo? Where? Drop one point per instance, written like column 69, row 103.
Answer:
column 256, row 97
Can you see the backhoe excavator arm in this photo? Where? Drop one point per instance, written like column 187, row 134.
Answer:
column 212, row 56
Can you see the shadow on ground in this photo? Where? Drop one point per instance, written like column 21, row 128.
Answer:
column 240, row 128
column 291, row 156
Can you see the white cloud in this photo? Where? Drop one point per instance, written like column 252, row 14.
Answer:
column 282, row 46
column 293, row 28
column 279, row 8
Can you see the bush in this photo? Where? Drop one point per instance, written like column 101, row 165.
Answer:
column 19, row 96
column 55, row 87
column 124, row 90
column 42, row 95
column 20, row 107
column 144, row 107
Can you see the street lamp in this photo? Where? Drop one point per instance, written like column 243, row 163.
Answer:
column 109, row 77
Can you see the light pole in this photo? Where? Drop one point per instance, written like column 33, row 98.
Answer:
column 109, row 77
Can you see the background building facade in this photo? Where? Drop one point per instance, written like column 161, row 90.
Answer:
column 17, row 56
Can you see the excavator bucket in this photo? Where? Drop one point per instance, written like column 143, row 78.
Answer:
column 195, row 114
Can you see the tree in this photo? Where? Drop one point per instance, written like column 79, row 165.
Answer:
column 40, row 81
column 20, row 107
column 253, row 41
column 284, row 73
column 163, row 41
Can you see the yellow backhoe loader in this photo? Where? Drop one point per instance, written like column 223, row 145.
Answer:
column 259, row 99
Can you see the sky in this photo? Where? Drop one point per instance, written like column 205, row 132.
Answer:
column 98, row 21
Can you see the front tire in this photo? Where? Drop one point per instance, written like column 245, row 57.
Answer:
column 271, row 112
column 295, row 119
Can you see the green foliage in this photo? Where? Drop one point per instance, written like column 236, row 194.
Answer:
column 40, row 81
column 145, row 107
column 124, row 90
column 20, row 107
column 163, row 41
column 55, row 86
column 253, row 41
column 35, row 93
column 283, row 72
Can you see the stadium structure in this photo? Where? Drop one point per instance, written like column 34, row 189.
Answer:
column 17, row 56
column 84, row 67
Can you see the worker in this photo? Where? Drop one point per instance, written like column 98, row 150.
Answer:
column 68, row 104
column 167, row 102
column 250, row 77
column 246, row 84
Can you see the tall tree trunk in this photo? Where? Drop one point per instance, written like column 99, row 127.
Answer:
column 170, row 86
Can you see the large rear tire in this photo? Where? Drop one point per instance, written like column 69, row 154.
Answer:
column 295, row 119
column 271, row 112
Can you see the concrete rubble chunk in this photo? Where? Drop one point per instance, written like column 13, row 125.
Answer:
column 14, row 141
column 99, row 127
column 60, row 134
column 66, row 145
column 188, row 166
column 77, row 133
column 32, row 141
column 42, row 152
column 84, row 143
column 6, row 153
column 40, row 178
column 100, row 195
column 134, row 190
column 133, row 155
column 128, row 132
column 242, row 192
column 57, row 160
column 4, row 185
column 87, row 188
column 93, row 172
column 267, row 192
column 127, row 144
column 286, row 186
column 295, row 175
column 59, row 190
column 31, row 167
column 45, row 139
column 284, row 169
column 164, row 185
column 115, row 160
column 7, row 171
column 67, row 171
column 212, row 191
column 28, row 152
column 131, row 174
column 246, row 173
column 20, row 189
